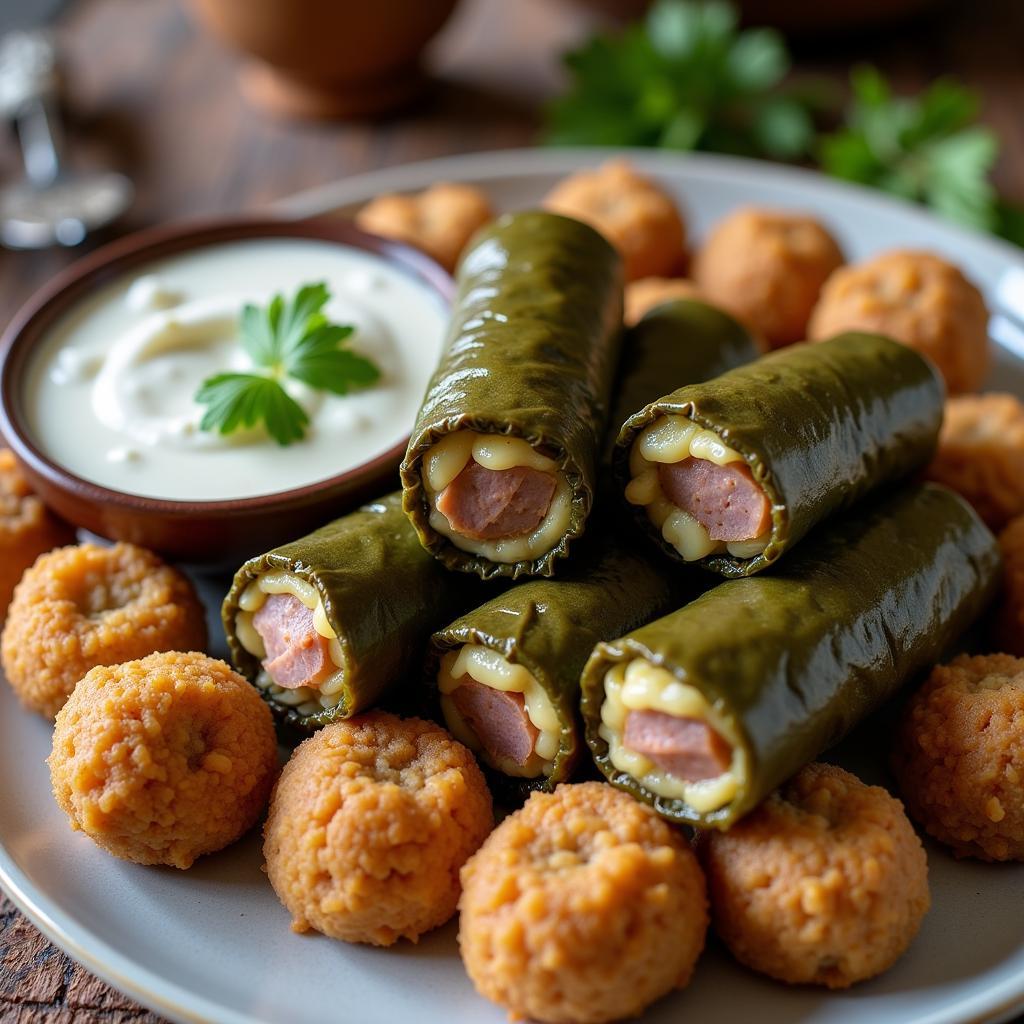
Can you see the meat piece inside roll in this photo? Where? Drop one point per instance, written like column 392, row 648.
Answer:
column 281, row 621
column 327, row 624
column 496, row 496
column 733, row 471
column 499, row 709
column 698, row 491
column 666, row 733
column 679, row 745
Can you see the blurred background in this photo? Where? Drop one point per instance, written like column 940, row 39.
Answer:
column 172, row 94
column 216, row 106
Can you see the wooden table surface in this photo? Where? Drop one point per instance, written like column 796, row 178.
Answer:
column 154, row 97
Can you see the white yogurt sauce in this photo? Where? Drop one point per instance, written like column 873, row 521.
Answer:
column 110, row 392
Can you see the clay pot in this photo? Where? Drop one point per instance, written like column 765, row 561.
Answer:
column 327, row 58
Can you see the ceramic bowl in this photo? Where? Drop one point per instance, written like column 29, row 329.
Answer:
column 322, row 58
column 212, row 533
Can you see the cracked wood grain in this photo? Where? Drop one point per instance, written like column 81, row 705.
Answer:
column 40, row 985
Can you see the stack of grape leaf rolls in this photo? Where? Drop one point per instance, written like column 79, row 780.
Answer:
column 508, row 672
column 500, row 473
column 732, row 472
column 703, row 712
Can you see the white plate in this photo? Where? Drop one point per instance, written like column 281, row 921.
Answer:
column 213, row 943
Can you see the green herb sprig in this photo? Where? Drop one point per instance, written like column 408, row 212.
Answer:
column 285, row 340
column 926, row 148
column 687, row 78
column 684, row 78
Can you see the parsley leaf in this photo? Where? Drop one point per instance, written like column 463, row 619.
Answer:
column 925, row 148
column 687, row 77
column 684, row 78
column 287, row 340
column 320, row 362
column 238, row 400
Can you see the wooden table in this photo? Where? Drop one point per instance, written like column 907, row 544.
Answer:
column 155, row 98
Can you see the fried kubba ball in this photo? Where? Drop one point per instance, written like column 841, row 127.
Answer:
column 368, row 826
column 917, row 298
column 161, row 760
column 981, row 454
column 767, row 267
column 959, row 756
column 79, row 607
column 27, row 529
column 826, row 883
column 633, row 212
column 439, row 221
column 1009, row 628
column 583, row 906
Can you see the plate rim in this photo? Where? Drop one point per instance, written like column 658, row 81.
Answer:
column 178, row 1003
column 175, row 1002
column 504, row 163
column 182, row 1005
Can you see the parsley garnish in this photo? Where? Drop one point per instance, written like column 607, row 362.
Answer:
column 926, row 147
column 687, row 78
column 684, row 78
column 286, row 340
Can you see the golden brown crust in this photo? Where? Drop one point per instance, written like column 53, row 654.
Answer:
column 959, row 756
column 917, row 298
column 439, row 221
column 369, row 824
column 643, row 295
column 981, row 454
column 1009, row 624
column 825, row 883
column 27, row 529
column 79, row 607
column 767, row 267
column 633, row 212
column 582, row 907
column 161, row 760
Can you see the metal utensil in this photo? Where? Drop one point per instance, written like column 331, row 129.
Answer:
column 52, row 206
